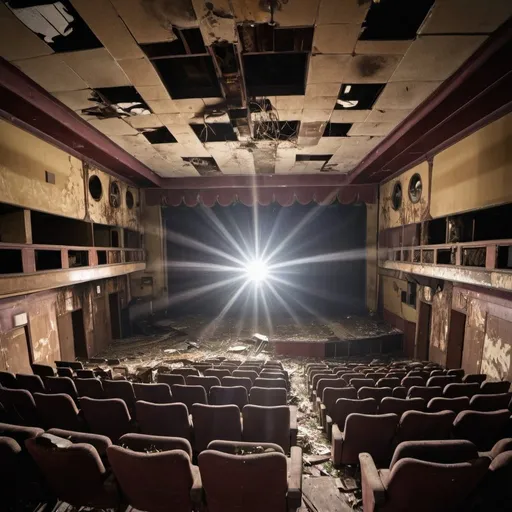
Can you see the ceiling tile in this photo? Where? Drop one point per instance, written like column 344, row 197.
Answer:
column 349, row 116
column 113, row 126
column 96, row 67
column 76, row 100
column 320, row 102
column 382, row 47
column 387, row 116
column 193, row 105
column 162, row 106
column 433, row 58
column 149, row 121
column 216, row 21
column 153, row 92
column 328, row 68
column 133, row 144
column 336, row 38
column 141, row 72
column 297, row 13
column 328, row 89
column 371, row 129
column 290, row 115
column 315, row 115
column 371, row 68
column 289, row 102
column 404, row 95
column 342, row 11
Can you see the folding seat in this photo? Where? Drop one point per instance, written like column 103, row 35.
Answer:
column 93, row 388
column 270, row 425
column 227, row 395
column 229, row 364
column 494, row 388
column 237, row 381
column 235, row 362
column 58, row 410
column 270, row 383
column 346, row 376
column 419, row 485
column 366, row 433
column 156, row 393
column 361, row 383
column 249, row 368
column 493, row 402
column 65, row 372
column 376, row 393
column 443, row 451
column 122, row 389
column 456, row 372
column 267, row 396
column 410, row 381
column 20, row 407
column 32, row 383
column 163, row 419
column 151, row 443
column 157, row 482
column 483, row 429
column 202, row 367
column 249, row 374
column 441, row 380
column 315, row 376
column 458, row 389
column 448, row 404
column 217, row 372
column 376, row 376
column 12, row 476
column 437, row 372
column 109, row 417
column 185, row 372
column 501, row 446
column 85, row 374
column 388, row 382
column 64, row 385
column 74, row 472
column 342, row 368
column 400, row 405
column 101, row 443
column 316, row 379
column 189, row 395
column 329, row 399
column 399, row 392
column 427, row 393
column 8, row 380
column 43, row 370
column 215, row 422
column 273, row 374
column 74, row 365
column 345, row 406
column 424, row 375
column 207, row 382
column 420, row 426
column 479, row 378
column 396, row 375
column 19, row 433
column 170, row 379
column 273, row 364
column 325, row 383
column 250, row 479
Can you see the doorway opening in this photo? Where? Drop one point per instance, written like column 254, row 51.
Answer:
column 423, row 338
column 79, row 343
column 456, row 339
column 115, row 315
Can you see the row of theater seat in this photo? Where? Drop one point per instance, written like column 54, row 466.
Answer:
column 152, row 473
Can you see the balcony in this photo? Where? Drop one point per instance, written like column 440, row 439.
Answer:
column 27, row 268
column 483, row 263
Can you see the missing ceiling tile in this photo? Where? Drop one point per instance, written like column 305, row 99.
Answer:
column 394, row 20
column 117, row 102
column 280, row 74
column 312, row 158
column 358, row 96
column 58, row 24
column 337, row 129
column 189, row 77
column 205, row 166
column 160, row 135
column 276, row 130
column 214, row 132
column 263, row 37
column 187, row 42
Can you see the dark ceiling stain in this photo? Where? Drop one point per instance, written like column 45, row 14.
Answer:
column 171, row 12
column 220, row 13
column 369, row 65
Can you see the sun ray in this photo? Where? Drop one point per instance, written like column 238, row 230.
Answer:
column 200, row 266
column 283, row 303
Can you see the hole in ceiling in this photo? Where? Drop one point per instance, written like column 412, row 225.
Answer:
column 238, row 113
column 160, row 135
column 188, row 42
column 276, row 130
column 312, row 158
column 266, row 38
column 396, row 196
column 358, row 96
column 58, row 24
column 95, row 188
column 278, row 74
column 336, row 129
column 117, row 102
column 415, row 188
column 393, row 20
column 204, row 166
column 214, row 132
column 189, row 77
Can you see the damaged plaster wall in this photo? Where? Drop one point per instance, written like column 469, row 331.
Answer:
column 440, row 324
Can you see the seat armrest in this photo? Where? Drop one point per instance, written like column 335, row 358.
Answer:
column 337, row 445
column 374, row 492
column 295, row 478
column 196, row 491
column 328, row 427
column 293, row 425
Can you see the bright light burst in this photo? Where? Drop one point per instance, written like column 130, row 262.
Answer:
column 257, row 271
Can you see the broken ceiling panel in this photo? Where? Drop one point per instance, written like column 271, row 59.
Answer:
column 320, row 102
column 216, row 21
column 205, row 166
column 335, row 38
column 285, row 160
column 382, row 47
column 349, row 116
column 296, row 13
column 77, row 100
column 466, row 16
column 179, row 151
column 96, row 67
column 133, row 144
column 371, row 68
column 358, row 96
column 315, row 115
column 109, row 28
column 190, row 106
column 113, row 126
column 141, row 72
column 157, row 93
column 162, row 106
column 51, row 73
column 289, row 102
column 326, row 145
column 373, row 129
column 387, row 116
column 321, row 89
column 327, row 68
column 119, row 102
column 290, row 115
column 342, row 11
column 17, row 41
column 432, row 58
column 159, row 135
column 406, row 95
column 232, row 160
column 150, row 121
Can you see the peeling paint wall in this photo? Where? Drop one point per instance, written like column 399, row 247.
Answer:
column 440, row 324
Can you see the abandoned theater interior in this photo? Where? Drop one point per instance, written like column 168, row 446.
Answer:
column 255, row 255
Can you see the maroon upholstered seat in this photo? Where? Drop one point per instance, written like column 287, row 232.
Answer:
column 122, row 389
column 155, row 393
column 375, row 375
column 346, row 376
column 212, row 422
column 58, row 411
column 58, row 385
column 189, row 395
column 488, row 388
column 12, row 474
column 270, row 383
column 249, row 374
column 185, row 372
column 375, row 393
column 20, row 407
column 32, row 383
column 269, row 373
column 323, row 384
column 109, row 417
column 101, row 443
column 91, row 387
column 74, row 472
column 456, row 372
column 448, row 404
column 155, row 482
column 489, row 402
column 419, row 426
column 326, row 409
column 441, row 380
column 237, row 381
column 359, row 383
column 267, row 396
column 206, row 382
column 399, row 392
column 427, row 393
column 401, row 405
column 148, row 443
column 19, row 433
column 474, row 377
column 388, row 382
column 364, row 433
column 85, row 374
column 170, row 379
column 458, row 389
column 164, row 419
column 222, row 395
column 43, row 370
column 437, row 372
column 346, row 406
column 217, row 372
column 65, row 372
column 8, row 380
column 410, row 381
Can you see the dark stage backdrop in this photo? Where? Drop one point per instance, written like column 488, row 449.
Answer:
column 327, row 288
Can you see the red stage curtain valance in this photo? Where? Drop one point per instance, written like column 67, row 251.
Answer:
column 284, row 196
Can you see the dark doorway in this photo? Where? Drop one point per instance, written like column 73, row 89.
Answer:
column 77, row 319
column 456, row 339
column 115, row 315
column 423, row 338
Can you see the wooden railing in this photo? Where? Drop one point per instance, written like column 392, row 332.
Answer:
column 25, row 256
